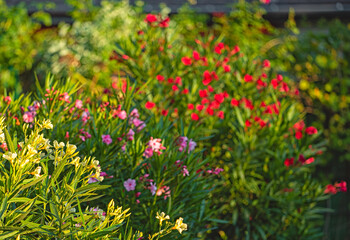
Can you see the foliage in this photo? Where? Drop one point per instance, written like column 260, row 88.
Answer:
column 184, row 119
column 20, row 42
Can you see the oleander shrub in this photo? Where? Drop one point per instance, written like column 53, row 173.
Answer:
column 150, row 166
column 184, row 120
column 257, row 135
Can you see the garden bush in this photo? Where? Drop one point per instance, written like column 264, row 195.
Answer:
column 183, row 120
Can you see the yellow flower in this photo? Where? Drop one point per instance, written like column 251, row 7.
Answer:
column 180, row 226
column 76, row 162
column 56, row 145
column 47, row 124
column 37, row 172
column 71, row 148
column 10, row 156
column 162, row 217
column 31, row 151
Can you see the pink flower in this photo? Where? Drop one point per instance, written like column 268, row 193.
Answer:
column 85, row 116
column 165, row 190
column 130, row 135
column 64, row 97
column 7, row 100
column 153, row 188
column 123, row 147
column 28, row 117
column 191, row 145
column 134, row 113
column 185, row 171
column 78, row 104
column 122, row 115
column 148, row 152
column 106, row 139
column 217, row 171
column 138, row 124
column 156, row 145
column 130, row 185
column 182, row 143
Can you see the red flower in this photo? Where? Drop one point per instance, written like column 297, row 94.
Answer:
column 298, row 135
column 265, row 1
column 165, row 112
column 185, row 91
column 266, row 63
column 214, row 105
column 235, row 50
column 221, row 114
column 203, row 93
column 342, row 186
column 248, row 78
column 330, row 189
column 311, row 130
column 164, row 23
column 150, row 18
column 309, row 160
column 227, row 68
column 289, row 162
column 248, row 104
column 160, row 78
column 190, row 106
column 262, row 123
column 150, row 105
column 299, row 126
column 279, row 77
column 248, row 123
column 199, row 107
column 274, row 83
column 284, row 87
column 194, row 117
column 196, row 56
column 204, row 101
column 186, row 61
column 213, row 74
column 261, row 83
column 175, row 88
column 210, row 111
column 219, row 47
column 302, row 159
column 219, row 97
column 210, row 88
column 206, row 77
column 178, row 81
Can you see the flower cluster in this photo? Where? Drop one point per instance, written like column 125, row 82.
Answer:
column 337, row 187
column 183, row 143
column 154, row 146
